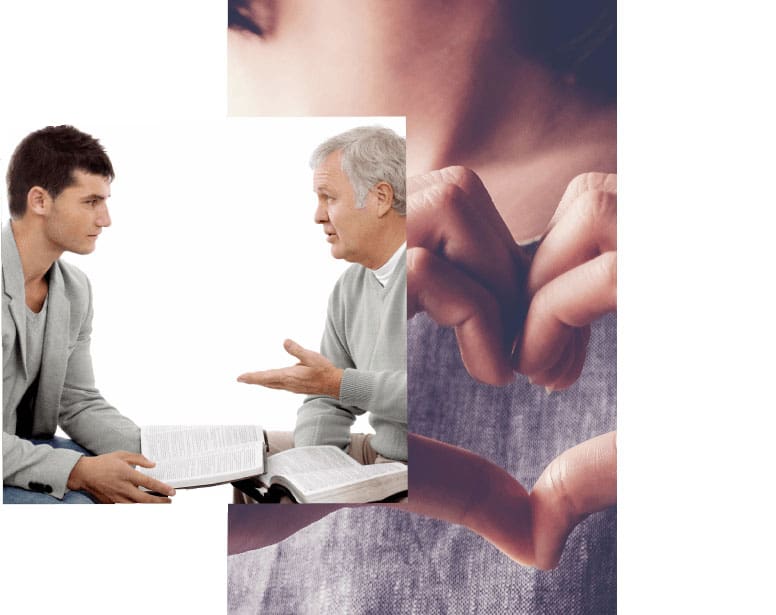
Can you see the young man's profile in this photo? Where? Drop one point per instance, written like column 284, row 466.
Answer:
column 58, row 186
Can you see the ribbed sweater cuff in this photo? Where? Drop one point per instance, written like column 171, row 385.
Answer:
column 357, row 388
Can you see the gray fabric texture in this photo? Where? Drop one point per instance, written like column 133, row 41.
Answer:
column 382, row 560
column 366, row 335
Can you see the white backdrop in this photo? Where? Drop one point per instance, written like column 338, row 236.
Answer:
column 211, row 261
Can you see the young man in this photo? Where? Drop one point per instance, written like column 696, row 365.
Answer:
column 359, row 179
column 58, row 185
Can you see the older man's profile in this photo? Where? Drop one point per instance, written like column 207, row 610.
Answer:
column 359, row 183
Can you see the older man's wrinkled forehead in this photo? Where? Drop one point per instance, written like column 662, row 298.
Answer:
column 329, row 174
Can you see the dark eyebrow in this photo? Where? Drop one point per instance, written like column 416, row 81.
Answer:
column 95, row 197
column 254, row 16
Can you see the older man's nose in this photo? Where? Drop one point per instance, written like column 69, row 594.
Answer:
column 321, row 215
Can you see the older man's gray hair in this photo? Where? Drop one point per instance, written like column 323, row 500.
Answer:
column 370, row 155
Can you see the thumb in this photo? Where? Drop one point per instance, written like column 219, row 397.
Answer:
column 577, row 483
column 305, row 356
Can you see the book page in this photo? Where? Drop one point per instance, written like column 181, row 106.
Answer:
column 172, row 441
column 309, row 458
column 335, row 479
column 209, row 468
column 192, row 455
column 316, row 470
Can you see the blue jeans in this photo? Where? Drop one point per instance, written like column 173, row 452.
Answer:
column 17, row 495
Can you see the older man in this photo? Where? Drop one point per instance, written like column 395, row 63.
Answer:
column 359, row 179
column 58, row 186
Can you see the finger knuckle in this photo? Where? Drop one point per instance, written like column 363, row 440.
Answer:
column 463, row 177
column 556, row 483
column 599, row 206
column 593, row 180
column 580, row 184
column 447, row 197
column 460, row 176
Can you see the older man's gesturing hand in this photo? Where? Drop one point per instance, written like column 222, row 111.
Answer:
column 313, row 375
column 510, row 312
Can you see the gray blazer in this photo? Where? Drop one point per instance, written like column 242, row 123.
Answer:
column 66, row 394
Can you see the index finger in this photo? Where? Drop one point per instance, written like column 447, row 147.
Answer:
column 143, row 480
column 451, row 214
column 272, row 378
column 471, row 185
column 453, row 299
column 494, row 504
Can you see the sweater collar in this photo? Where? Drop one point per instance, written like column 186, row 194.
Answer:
column 384, row 273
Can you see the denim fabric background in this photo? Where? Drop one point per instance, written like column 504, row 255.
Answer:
column 378, row 560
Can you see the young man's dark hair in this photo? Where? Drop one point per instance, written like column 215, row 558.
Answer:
column 47, row 158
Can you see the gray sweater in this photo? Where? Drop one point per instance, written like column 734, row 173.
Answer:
column 366, row 335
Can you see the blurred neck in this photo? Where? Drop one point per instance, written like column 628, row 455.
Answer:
column 453, row 69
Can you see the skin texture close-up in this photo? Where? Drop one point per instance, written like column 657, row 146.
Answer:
column 512, row 286
column 529, row 528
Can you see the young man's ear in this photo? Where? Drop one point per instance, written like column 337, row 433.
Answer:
column 384, row 194
column 38, row 200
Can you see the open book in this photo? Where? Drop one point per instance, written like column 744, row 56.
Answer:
column 199, row 455
column 327, row 474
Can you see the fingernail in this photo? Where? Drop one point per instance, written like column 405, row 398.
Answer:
column 240, row 379
column 549, row 389
column 171, row 493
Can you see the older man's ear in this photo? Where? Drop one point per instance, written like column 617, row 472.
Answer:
column 384, row 194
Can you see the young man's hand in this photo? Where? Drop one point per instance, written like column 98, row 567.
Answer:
column 313, row 375
column 112, row 479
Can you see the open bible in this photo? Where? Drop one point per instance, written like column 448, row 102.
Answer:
column 326, row 474
column 200, row 455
